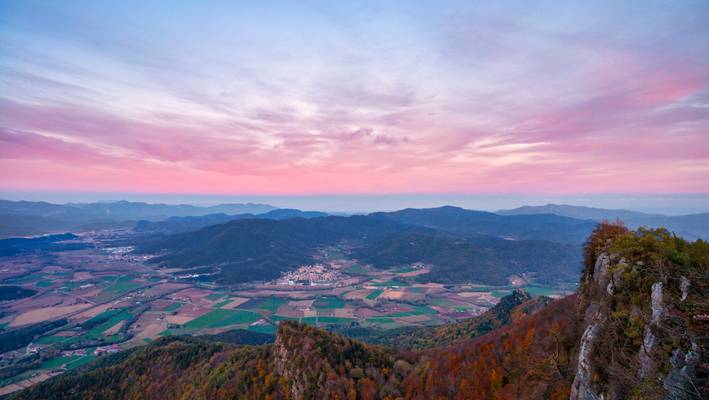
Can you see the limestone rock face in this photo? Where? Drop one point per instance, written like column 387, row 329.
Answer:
column 646, row 362
column 684, row 287
column 582, row 388
column 618, row 314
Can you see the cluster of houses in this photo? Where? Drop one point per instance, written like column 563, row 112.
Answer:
column 309, row 275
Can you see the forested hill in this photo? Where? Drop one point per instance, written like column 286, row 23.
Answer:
column 549, row 227
column 636, row 329
column 250, row 249
column 260, row 249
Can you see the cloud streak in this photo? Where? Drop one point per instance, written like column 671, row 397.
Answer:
column 377, row 98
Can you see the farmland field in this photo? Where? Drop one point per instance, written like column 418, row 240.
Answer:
column 222, row 317
column 374, row 294
column 118, row 299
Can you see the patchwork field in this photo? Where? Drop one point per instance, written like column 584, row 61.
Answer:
column 82, row 304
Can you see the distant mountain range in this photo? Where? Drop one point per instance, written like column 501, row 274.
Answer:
column 470, row 222
column 23, row 218
column 690, row 226
column 186, row 224
column 461, row 245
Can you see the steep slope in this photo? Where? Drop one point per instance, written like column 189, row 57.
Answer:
column 643, row 299
column 171, row 368
column 530, row 227
column 316, row 364
column 529, row 359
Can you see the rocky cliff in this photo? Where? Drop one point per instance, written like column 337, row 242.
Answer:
column 643, row 302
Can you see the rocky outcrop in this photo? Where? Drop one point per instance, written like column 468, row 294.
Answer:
column 582, row 387
column 642, row 329
column 646, row 362
column 317, row 364
column 684, row 288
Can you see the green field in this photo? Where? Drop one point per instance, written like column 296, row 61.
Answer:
column 43, row 284
column 72, row 285
column 70, row 361
column 270, row 329
column 486, row 288
column 119, row 315
column 173, row 307
column 326, row 303
column 25, row 279
column 392, row 282
column 51, row 339
column 222, row 317
column 215, row 296
column 356, row 269
column 121, row 285
column 271, row 304
column 58, row 362
column 81, row 361
column 441, row 302
column 374, row 294
column 380, row 320
column 222, row 303
column 500, row 293
column 541, row 291
column 312, row 320
column 284, row 318
column 327, row 320
column 417, row 310
column 267, row 303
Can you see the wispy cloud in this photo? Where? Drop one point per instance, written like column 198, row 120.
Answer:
column 340, row 98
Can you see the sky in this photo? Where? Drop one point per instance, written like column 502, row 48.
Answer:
column 383, row 98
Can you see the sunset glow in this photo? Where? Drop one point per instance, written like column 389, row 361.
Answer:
column 379, row 97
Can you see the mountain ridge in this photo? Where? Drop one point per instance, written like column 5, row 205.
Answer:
column 690, row 226
column 24, row 218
